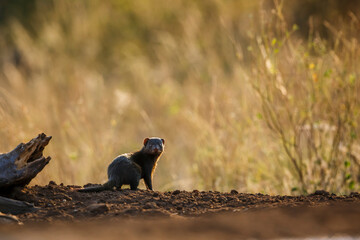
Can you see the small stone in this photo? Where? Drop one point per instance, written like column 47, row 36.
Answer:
column 176, row 192
column 234, row 191
column 354, row 194
column 52, row 183
column 321, row 192
column 98, row 208
column 150, row 205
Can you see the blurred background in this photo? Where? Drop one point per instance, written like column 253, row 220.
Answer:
column 257, row 96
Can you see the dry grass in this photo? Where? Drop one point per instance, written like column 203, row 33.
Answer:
column 230, row 87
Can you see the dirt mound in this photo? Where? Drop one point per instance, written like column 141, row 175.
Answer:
column 59, row 202
column 211, row 214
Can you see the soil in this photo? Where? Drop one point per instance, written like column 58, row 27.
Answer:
column 64, row 212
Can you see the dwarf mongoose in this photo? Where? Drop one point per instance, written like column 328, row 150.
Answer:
column 129, row 168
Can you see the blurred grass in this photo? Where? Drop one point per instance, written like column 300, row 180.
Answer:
column 101, row 76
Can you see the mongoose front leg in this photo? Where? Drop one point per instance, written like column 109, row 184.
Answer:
column 134, row 184
column 147, row 179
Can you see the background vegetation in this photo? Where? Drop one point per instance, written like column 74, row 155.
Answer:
column 258, row 97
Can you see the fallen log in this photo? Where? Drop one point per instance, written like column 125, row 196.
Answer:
column 21, row 165
column 15, row 207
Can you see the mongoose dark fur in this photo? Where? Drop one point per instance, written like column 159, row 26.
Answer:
column 129, row 168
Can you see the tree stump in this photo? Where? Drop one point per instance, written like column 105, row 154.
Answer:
column 18, row 168
column 21, row 165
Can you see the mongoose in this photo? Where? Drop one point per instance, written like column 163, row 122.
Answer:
column 129, row 168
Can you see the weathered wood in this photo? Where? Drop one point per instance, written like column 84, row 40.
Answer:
column 15, row 207
column 9, row 219
column 21, row 165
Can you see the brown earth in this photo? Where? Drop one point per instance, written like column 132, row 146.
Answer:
column 64, row 212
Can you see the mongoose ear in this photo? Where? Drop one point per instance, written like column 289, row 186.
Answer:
column 163, row 141
column 145, row 141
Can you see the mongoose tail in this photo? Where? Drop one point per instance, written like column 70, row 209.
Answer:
column 106, row 186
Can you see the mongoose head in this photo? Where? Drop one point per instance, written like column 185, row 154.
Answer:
column 154, row 145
